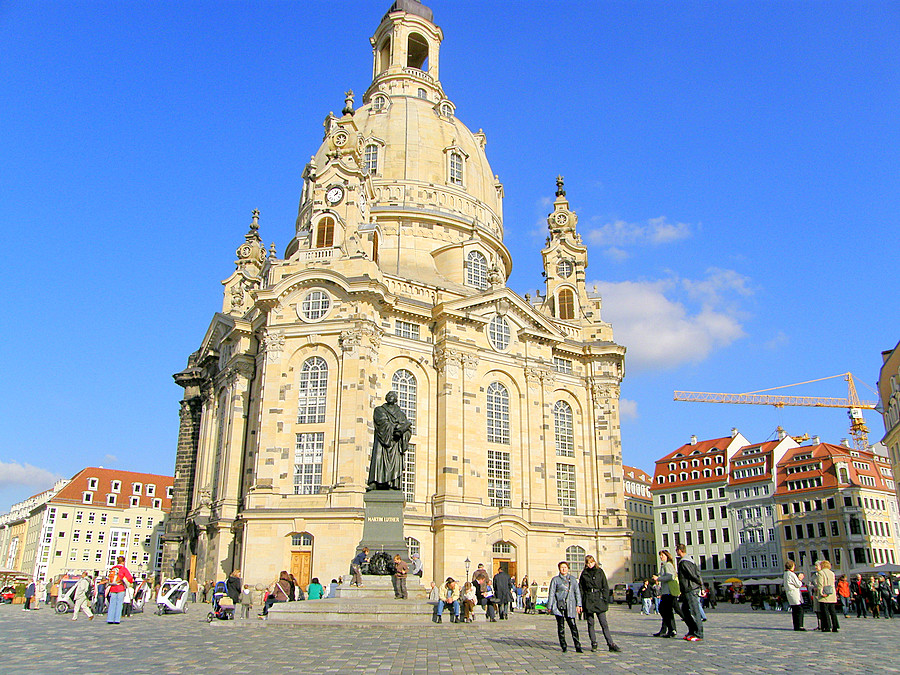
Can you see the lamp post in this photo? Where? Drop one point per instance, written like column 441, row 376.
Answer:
column 468, row 562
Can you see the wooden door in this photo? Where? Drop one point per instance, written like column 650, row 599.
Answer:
column 301, row 564
column 505, row 564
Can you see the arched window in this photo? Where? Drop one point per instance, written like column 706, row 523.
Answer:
column 404, row 383
column 575, row 558
column 313, row 390
column 302, row 539
column 476, row 270
column 325, row 233
column 497, row 414
column 379, row 102
column 562, row 425
column 370, row 164
column 498, row 332
column 502, row 548
column 384, row 55
column 566, row 304
column 413, row 546
column 417, row 52
column 456, row 168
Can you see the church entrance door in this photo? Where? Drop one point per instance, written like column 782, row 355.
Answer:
column 301, row 564
column 508, row 566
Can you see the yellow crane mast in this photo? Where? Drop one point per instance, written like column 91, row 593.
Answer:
column 858, row 429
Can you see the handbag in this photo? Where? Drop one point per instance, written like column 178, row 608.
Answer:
column 827, row 590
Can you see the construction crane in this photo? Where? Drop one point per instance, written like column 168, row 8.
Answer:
column 858, row 429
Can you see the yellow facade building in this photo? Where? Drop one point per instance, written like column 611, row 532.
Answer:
column 395, row 279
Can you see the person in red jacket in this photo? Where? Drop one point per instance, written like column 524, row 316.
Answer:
column 118, row 577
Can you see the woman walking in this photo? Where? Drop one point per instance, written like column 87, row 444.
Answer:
column 595, row 601
column 668, row 591
column 792, row 583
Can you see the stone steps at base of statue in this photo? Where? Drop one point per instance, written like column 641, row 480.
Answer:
column 362, row 610
column 381, row 587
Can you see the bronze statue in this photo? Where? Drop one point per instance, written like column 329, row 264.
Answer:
column 392, row 433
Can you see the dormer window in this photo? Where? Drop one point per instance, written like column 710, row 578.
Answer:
column 135, row 488
column 456, row 169
column 151, row 489
column 370, row 159
column 476, row 270
column 135, row 501
column 116, row 486
column 446, row 110
column 157, row 503
column 110, row 500
column 87, row 497
column 170, row 491
column 379, row 102
column 92, row 483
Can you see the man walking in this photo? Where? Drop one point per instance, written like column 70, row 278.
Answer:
column 858, row 593
column 502, row 595
column 565, row 604
column 118, row 577
column 82, row 602
column 690, row 583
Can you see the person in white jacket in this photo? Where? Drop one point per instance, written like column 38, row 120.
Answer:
column 792, row 584
column 82, row 602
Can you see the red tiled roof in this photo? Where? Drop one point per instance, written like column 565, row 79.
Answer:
column 828, row 455
column 714, row 447
column 639, row 476
column 74, row 491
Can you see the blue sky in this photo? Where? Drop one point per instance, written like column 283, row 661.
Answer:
column 733, row 165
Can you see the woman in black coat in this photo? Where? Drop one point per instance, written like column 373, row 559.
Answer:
column 595, row 601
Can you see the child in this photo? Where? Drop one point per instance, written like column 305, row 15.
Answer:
column 246, row 601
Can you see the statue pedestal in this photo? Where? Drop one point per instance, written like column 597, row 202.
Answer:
column 383, row 528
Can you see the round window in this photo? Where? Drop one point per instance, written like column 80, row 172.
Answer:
column 498, row 333
column 565, row 268
column 314, row 306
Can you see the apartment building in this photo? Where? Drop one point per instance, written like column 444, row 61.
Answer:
column 690, row 503
column 639, row 505
column 837, row 503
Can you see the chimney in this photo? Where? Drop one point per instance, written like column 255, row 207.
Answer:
column 816, row 440
column 781, row 433
column 693, row 439
column 845, row 442
column 734, row 432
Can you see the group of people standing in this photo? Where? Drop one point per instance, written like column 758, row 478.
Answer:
column 874, row 595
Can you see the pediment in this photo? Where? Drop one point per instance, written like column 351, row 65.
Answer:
column 480, row 308
column 221, row 326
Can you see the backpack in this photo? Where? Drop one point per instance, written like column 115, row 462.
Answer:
column 114, row 576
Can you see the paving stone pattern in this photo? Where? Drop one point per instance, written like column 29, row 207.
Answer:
column 738, row 641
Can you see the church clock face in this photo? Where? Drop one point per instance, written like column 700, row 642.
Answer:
column 562, row 218
column 334, row 194
column 565, row 268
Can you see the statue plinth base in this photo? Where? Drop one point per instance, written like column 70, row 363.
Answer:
column 383, row 528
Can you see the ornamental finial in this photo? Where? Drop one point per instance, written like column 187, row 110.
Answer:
column 560, row 190
column 254, row 226
column 348, row 103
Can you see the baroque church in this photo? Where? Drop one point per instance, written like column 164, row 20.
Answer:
column 395, row 280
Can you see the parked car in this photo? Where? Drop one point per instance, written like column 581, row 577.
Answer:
column 7, row 594
column 618, row 593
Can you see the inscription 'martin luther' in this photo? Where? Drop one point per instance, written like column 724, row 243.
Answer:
column 383, row 519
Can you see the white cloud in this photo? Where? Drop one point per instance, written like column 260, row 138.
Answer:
column 14, row 474
column 628, row 409
column 112, row 459
column 617, row 254
column 778, row 340
column 661, row 331
column 654, row 232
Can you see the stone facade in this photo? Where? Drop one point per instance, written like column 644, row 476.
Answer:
column 639, row 505
column 395, row 279
column 889, row 395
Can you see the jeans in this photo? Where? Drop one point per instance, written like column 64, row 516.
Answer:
column 690, row 607
column 269, row 602
column 561, row 622
column 604, row 626
column 454, row 606
column 646, row 604
column 860, row 606
column 399, row 587
column 114, row 613
column 845, row 605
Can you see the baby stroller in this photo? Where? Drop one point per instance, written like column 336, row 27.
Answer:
column 223, row 606
column 171, row 597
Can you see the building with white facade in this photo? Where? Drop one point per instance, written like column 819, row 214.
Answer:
column 639, row 505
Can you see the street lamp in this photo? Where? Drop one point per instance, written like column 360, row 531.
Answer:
column 468, row 562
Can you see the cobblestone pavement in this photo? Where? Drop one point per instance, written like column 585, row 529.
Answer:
column 738, row 640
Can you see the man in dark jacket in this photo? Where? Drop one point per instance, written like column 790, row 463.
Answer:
column 690, row 583
column 595, row 601
column 502, row 594
column 858, row 592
